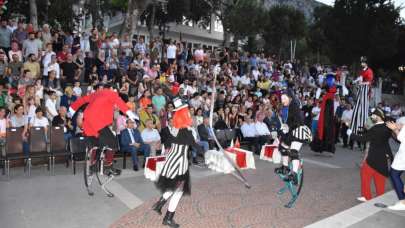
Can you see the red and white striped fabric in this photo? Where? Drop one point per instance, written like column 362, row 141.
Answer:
column 153, row 167
column 271, row 153
column 242, row 158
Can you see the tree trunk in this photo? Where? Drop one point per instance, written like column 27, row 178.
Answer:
column 134, row 11
column 34, row 13
column 152, row 22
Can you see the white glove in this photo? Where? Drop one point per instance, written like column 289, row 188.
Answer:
column 285, row 128
column 71, row 112
column 132, row 115
column 349, row 132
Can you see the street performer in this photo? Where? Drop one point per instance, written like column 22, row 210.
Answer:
column 174, row 179
column 360, row 111
column 98, row 116
column 293, row 134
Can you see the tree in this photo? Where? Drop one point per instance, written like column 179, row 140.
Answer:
column 243, row 19
column 281, row 25
column 355, row 28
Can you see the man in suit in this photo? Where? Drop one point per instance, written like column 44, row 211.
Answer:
column 204, row 133
column 131, row 141
column 166, row 136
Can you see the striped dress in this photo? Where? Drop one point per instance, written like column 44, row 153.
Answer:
column 175, row 171
column 360, row 111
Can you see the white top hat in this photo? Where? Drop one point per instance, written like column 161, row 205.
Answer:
column 178, row 104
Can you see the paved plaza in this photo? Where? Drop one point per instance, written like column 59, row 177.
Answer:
column 217, row 200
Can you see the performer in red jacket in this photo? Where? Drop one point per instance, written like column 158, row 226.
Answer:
column 98, row 116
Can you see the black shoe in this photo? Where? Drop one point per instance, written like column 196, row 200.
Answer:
column 158, row 205
column 284, row 170
column 195, row 162
column 135, row 168
column 292, row 177
column 168, row 220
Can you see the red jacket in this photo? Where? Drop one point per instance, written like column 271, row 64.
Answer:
column 100, row 110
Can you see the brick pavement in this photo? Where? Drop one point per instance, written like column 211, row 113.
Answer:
column 222, row 201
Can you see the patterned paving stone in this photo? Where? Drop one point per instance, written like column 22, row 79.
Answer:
column 221, row 201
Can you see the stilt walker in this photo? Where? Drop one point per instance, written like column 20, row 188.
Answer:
column 361, row 108
column 324, row 140
column 174, row 180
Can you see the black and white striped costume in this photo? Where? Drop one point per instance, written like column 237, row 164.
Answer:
column 360, row 111
column 175, row 171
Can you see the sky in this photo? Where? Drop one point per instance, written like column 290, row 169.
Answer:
column 397, row 3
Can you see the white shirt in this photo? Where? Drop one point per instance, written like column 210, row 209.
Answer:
column 150, row 135
column 248, row 130
column 51, row 108
column 315, row 111
column 36, row 122
column 31, row 111
column 3, row 126
column 399, row 160
column 46, row 60
column 77, row 91
column 261, row 128
column 54, row 67
column 347, row 116
column 171, row 51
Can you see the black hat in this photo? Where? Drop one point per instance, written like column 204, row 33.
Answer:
column 378, row 112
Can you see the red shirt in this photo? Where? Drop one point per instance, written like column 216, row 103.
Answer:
column 367, row 75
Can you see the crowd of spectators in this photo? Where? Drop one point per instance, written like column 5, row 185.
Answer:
column 43, row 71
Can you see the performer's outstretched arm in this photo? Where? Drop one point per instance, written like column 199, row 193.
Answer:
column 123, row 107
column 79, row 103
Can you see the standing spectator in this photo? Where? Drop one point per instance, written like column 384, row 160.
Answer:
column 171, row 52
column 398, row 165
column 140, row 47
column 63, row 54
column 159, row 100
column 20, row 34
column 33, row 66
column 68, row 70
column 46, row 35
column 126, row 46
column 30, row 46
column 50, row 105
column 316, row 110
column 345, row 122
column 5, row 36
column 47, row 58
column 15, row 69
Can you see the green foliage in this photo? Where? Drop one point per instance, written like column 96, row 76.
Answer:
column 352, row 29
column 281, row 25
column 243, row 18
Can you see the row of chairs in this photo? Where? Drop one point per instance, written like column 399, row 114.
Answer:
column 38, row 146
column 41, row 148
